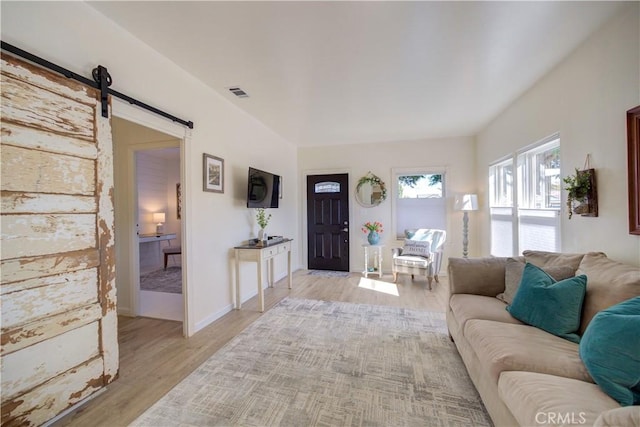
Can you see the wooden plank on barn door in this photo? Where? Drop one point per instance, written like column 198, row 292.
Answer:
column 59, row 323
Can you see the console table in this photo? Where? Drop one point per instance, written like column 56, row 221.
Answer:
column 151, row 249
column 259, row 254
column 155, row 237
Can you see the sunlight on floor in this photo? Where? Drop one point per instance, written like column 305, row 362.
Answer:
column 379, row 286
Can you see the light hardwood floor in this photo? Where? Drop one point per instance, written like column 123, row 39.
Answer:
column 154, row 356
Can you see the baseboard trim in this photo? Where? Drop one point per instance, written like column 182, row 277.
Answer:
column 212, row 318
column 226, row 309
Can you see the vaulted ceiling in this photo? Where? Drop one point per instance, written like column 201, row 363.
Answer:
column 355, row 72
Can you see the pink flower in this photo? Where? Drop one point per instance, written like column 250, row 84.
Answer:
column 375, row 226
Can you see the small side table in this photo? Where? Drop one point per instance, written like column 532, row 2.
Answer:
column 376, row 251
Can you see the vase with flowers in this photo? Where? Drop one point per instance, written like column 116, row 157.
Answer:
column 373, row 229
column 263, row 220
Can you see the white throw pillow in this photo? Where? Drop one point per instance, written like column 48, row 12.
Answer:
column 417, row 247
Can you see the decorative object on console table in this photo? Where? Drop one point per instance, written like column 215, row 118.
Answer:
column 373, row 229
column 263, row 220
column 633, row 152
column 212, row 173
column 466, row 203
column 582, row 196
column 159, row 218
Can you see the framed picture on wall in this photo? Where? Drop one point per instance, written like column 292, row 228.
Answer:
column 178, row 201
column 213, row 173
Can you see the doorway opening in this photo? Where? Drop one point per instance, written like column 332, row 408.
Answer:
column 160, row 248
column 148, row 217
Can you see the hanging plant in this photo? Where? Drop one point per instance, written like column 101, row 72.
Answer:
column 373, row 180
column 578, row 187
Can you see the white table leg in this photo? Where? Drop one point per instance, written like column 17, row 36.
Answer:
column 271, row 273
column 289, row 267
column 366, row 262
column 237, row 293
column 260, row 290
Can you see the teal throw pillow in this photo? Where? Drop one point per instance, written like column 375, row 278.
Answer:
column 409, row 233
column 610, row 349
column 552, row 306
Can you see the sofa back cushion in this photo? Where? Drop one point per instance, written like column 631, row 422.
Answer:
column 478, row 276
column 513, row 275
column 548, row 259
column 609, row 283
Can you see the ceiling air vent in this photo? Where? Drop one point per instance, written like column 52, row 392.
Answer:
column 238, row 92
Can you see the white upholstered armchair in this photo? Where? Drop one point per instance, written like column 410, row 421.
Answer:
column 421, row 254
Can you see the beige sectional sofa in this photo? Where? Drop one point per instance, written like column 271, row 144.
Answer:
column 527, row 376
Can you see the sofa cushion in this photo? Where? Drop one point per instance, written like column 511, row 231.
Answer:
column 609, row 282
column 610, row 349
column 513, row 275
column 416, row 247
column 626, row 416
column 537, row 399
column 508, row 347
column 553, row 306
column 465, row 307
column 547, row 259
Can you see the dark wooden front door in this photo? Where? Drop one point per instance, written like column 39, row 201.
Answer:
column 328, row 222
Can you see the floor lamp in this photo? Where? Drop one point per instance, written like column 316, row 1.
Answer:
column 466, row 203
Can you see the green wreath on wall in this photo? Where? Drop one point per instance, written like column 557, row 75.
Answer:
column 372, row 180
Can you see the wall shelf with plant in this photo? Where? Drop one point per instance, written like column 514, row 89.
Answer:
column 582, row 195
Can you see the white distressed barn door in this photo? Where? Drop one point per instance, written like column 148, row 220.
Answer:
column 59, row 324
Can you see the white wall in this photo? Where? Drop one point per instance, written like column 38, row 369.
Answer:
column 455, row 155
column 585, row 98
column 152, row 189
column 75, row 36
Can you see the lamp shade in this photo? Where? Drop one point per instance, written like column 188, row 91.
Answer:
column 466, row 202
column 158, row 217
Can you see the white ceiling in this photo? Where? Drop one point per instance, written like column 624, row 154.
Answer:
column 354, row 72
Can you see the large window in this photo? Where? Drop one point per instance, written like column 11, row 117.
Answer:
column 501, row 193
column 534, row 222
column 419, row 200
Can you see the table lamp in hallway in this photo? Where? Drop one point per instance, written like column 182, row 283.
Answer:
column 159, row 219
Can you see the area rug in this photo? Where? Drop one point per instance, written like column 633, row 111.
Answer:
column 169, row 280
column 329, row 273
column 319, row 363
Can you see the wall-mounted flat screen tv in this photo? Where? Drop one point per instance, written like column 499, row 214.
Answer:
column 263, row 189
